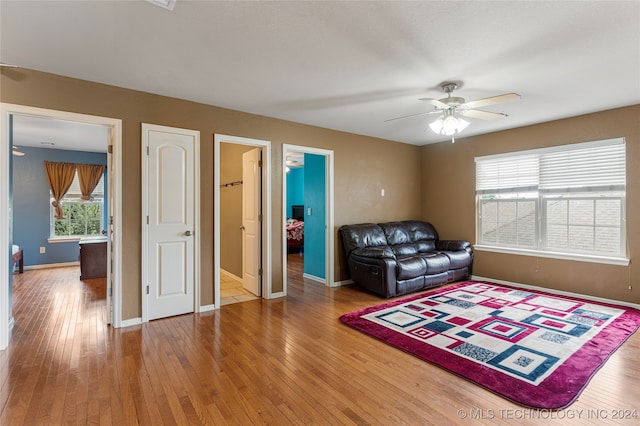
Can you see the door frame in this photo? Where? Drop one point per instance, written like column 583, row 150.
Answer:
column 329, row 209
column 114, row 160
column 145, row 212
column 266, row 213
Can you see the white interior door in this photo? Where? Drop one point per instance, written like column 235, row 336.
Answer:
column 171, row 219
column 251, row 220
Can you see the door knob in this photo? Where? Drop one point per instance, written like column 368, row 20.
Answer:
column 242, row 228
column 187, row 233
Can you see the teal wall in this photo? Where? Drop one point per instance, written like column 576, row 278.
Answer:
column 31, row 204
column 295, row 188
column 314, row 224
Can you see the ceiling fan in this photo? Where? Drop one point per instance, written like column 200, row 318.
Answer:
column 448, row 123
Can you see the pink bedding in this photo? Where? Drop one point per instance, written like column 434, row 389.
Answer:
column 295, row 233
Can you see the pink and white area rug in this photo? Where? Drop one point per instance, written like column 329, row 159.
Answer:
column 537, row 349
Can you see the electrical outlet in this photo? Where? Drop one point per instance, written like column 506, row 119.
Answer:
column 43, row 250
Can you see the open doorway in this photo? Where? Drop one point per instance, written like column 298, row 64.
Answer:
column 16, row 118
column 242, row 202
column 308, row 214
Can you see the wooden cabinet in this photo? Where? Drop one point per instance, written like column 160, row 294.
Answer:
column 93, row 258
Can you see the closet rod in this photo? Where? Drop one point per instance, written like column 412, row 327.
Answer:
column 224, row 185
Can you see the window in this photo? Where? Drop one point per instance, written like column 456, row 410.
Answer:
column 565, row 200
column 81, row 218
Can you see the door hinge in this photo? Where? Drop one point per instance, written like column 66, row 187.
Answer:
column 260, row 272
column 147, row 220
column 110, row 149
column 147, row 150
column 110, row 292
column 110, row 220
column 259, row 218
column 147, row 289
column 260, row 163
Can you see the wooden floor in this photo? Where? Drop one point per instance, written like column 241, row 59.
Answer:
column 278, row 362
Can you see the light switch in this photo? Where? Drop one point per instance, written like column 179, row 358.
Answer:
column 308, row 211
column 382, row 192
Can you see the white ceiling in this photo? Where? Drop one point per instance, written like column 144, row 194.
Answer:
column 39, row 132
column 345, row 65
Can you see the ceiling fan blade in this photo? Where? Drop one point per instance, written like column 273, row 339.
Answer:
column 483, row 115
column 413, row 115
column 507, row 97
column 435, row 102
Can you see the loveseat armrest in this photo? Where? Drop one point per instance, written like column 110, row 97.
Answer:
column 453, row 245
column 376, row 274
column 379, row 252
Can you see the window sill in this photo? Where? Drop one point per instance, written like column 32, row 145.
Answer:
column 620, row 261
column 63, row 239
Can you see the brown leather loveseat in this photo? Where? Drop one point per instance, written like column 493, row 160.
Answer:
column 396, row 258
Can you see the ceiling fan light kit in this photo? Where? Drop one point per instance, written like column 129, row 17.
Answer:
column 450, row 125
column 17, row 152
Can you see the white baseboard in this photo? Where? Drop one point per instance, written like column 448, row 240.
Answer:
column 206, row 308
column 341, row 283
column 235, row 277
column 277, row 295
column 314, row 278
column 130, row 322
column 52, row 265
column 560, row 292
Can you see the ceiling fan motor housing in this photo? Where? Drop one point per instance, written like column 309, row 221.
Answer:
column 452, row 101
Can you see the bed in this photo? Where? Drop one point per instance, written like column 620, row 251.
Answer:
column 295, row 229
column 17, row 256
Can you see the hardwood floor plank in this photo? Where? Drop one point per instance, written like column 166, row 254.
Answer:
column 283, row 361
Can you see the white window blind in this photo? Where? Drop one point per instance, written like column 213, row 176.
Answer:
column 564, row 199
column 588, row 169
column 75, row 192
column 518, row 173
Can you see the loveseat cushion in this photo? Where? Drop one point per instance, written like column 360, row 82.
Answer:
column 396, row 233
column 424, row 246
column 420, row 231
column 453, row 245
column 458, row 259
column 421, row 264
column 436, row 262
column 410, row 267
column 375, row 252
column 405, row 249
column 362, row 235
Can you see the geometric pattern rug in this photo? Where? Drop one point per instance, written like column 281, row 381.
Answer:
column 534, row 348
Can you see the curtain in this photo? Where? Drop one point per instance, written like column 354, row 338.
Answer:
column 89, row 175
column 60, row 177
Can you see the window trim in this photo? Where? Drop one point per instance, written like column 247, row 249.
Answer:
column 71, row 238
column 73, row 197
column 622, row 259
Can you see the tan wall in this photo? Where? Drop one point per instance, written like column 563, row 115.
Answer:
column 448, row 201
column 231, row 207
column 363, row 165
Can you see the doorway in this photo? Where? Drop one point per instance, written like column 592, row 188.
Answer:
column 243, row 220
column 113, row 220
column 315, row 197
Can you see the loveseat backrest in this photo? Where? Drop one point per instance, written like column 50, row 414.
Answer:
column 409, row 231
column 421, row 231
column 361, row 235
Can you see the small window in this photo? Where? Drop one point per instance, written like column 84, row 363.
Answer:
column 567, row 199
column 81, row 218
